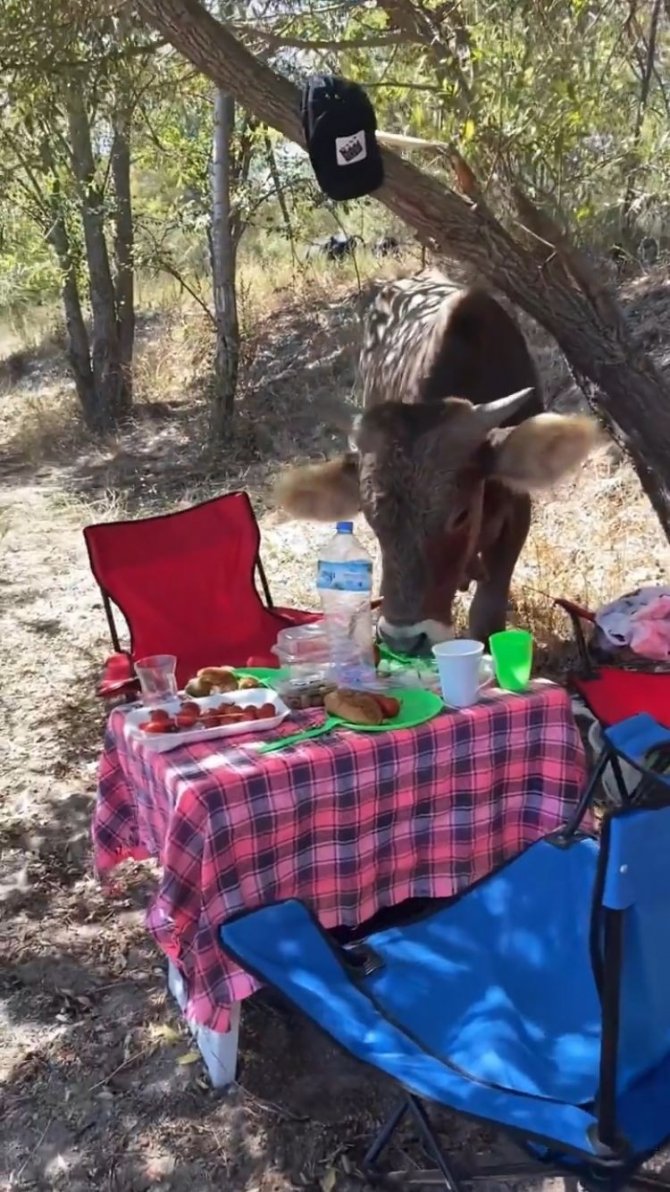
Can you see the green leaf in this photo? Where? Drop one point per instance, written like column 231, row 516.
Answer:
column 191, row 1057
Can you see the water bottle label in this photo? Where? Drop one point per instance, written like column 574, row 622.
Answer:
column 353, row 576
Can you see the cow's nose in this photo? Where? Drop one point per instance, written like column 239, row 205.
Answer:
column 417, row 645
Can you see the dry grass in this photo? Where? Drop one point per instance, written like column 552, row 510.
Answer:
column 47, row 426
column 40, row 419
column 593, row 539
column 30, row 329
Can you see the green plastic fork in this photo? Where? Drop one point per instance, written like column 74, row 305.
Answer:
column 329, row 723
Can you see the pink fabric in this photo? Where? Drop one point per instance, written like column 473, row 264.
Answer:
column 639, row 620
column 349, row 822
column 650, row 629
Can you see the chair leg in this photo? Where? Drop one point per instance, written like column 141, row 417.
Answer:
column 565, row 834
column 531, row 1172
column 642, row 1179
column 385, row 1134
column 442, row 1178
column 619, row 779
column 109, row 613
column 445, row 1176
column 422, row 1120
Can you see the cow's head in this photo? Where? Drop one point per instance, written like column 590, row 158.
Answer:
column 418, row 474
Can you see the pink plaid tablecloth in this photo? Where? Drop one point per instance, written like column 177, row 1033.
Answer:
column 349, row 823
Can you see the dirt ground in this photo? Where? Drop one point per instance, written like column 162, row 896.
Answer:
column 99, row 1088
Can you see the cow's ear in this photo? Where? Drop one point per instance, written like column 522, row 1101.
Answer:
column 321, row 492
column 542, row 450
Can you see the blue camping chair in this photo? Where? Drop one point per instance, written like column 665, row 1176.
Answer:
column 538, row 1001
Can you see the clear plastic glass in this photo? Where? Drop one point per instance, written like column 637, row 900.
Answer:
column 157, row 674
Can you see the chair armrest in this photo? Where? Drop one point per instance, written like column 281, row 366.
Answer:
column 576, row 610
column 118, row 677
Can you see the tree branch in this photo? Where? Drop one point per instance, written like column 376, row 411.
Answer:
column 283, row 40
column 417, row 26
column 166, row 266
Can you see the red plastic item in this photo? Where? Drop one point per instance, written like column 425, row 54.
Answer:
column 611, row 692
column 185, row 583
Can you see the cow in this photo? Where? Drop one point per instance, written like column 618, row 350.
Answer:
column 335, row 247
column 386, row 246
column 451, row 442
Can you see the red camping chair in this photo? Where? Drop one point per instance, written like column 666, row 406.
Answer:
column 614, row 693
column 185, row 584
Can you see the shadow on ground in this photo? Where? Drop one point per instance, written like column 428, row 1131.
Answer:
column 293, row 398
column 124, row 1105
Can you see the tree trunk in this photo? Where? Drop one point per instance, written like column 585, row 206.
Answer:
column 124, row 282
column 646, row 73
column 281, row 198
column 111, row 395
column 223, row 269
column 542, row 278
column 78, row 347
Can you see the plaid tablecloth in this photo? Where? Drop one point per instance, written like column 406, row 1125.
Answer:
column 350, row 822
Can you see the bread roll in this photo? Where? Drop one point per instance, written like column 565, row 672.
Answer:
column 355, row 706
column 220, row 678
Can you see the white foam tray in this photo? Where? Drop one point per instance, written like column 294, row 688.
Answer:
column 253, row 697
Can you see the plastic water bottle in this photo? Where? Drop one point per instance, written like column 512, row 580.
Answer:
column 344, row 582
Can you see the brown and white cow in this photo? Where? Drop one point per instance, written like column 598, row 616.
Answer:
column 451, row 443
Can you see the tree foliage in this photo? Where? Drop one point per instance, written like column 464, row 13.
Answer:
column 565, row 99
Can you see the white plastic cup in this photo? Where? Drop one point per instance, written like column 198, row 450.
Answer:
column 458, row 664
column 157, row 676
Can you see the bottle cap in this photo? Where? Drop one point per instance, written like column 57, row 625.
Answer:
column 345, row 527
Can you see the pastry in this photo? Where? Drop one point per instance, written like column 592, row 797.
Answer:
column 248, row 682
column 220, row 678
column 198, row 687
column 356, row 706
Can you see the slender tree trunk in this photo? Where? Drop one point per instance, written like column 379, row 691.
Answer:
column 646, row 72
column 544, row 279
column 78, row 348
column 224, row 259
column 111, row 394
column 281, row 198
column 124, row 282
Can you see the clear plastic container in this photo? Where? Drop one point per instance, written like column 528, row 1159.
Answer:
column 304, row 651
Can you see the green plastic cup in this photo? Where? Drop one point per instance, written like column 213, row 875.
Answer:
column 512, row 652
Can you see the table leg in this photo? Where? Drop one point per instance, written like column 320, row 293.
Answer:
column 218, row 1050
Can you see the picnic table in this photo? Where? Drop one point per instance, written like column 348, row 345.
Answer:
column 351, row 822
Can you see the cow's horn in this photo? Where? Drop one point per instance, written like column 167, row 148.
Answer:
column 494, row 413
